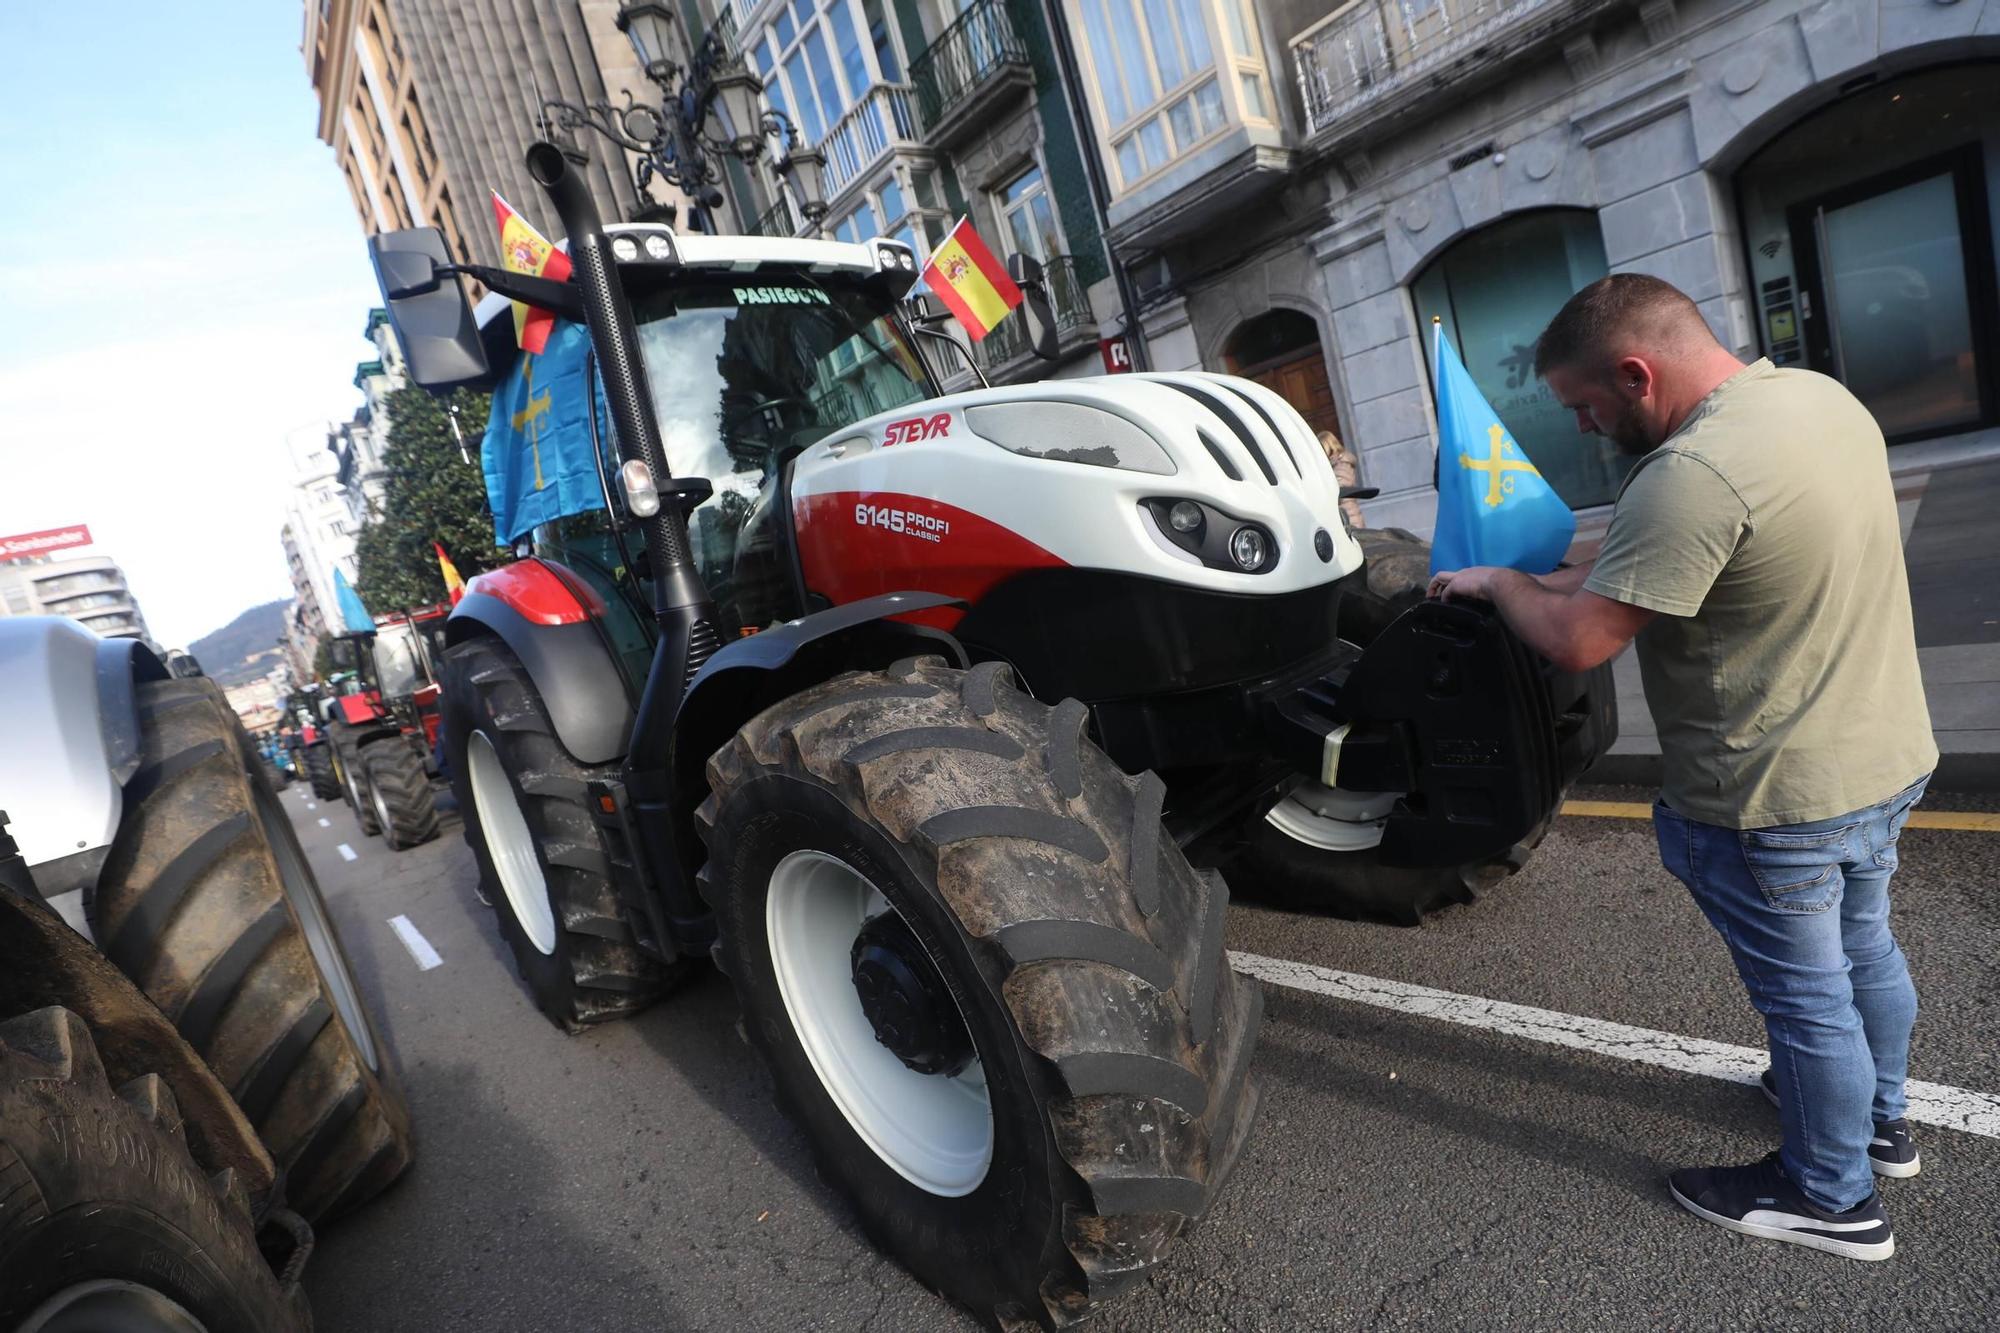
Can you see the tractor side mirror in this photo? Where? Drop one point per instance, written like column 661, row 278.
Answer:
column 430, row 315
column 1026, row 271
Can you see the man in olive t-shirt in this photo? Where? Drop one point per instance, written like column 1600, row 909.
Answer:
column 1755, row 556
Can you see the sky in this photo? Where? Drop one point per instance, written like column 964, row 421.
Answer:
column 184, row 284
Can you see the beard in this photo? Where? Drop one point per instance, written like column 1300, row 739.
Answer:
column 1630, row 437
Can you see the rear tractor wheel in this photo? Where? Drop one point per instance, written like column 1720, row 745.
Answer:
column 208, row 904
column 542, row 863
column 991, row 991
column 106, row 1222
column 400, row 792
column 348, row 768
column 317, row 760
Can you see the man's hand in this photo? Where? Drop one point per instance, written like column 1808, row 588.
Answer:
column 1464, row 585
column 1574, row 628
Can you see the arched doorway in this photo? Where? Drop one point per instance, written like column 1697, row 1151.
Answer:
column 1867, row 226
column 1495, row 290
column 1280, row 350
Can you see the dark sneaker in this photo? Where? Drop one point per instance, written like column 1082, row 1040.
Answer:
column 1891, row 1152
column 1760, row 1200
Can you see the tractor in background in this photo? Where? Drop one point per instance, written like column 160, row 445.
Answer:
column 382, row 725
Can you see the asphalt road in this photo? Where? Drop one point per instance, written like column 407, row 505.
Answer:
column 1406, row 1172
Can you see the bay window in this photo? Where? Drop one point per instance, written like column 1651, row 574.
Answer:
column 1167, row 83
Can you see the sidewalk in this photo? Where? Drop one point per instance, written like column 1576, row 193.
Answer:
column 1951, row 544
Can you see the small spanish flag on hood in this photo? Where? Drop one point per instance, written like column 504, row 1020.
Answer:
column 525, row 250
column 973, row 284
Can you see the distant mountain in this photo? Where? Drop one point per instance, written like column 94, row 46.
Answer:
column 245, row 648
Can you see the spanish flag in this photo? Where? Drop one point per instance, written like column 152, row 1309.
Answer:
column 525, row 250
column 973, row 284
column 454, row 586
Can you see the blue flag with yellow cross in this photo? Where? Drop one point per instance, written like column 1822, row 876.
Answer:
column 537, row 449
column 1494, row 507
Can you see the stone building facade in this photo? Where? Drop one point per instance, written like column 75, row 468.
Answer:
column 1819, row 175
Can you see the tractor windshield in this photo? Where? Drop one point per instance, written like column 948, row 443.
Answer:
column 747, row 369
column 396, row 669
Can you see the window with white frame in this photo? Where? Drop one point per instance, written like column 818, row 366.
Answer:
column 1167, row 85
column 818, row 58
column 1027, row 217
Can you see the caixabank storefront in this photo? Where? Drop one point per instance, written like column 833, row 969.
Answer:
column 1822, row 179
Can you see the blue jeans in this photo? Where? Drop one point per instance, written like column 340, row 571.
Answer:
column 1804, row 909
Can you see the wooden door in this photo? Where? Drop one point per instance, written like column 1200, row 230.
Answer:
column 1301, row 381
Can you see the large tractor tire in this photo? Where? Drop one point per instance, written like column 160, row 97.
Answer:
column 400, row 792
column 105, row 1220
column 353, row 776
column 542, row 862
column 1314, row 850
column 317, row 760
column 207, row 902
column 991, row 991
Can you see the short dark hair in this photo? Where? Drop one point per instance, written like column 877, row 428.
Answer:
column 1621, row 307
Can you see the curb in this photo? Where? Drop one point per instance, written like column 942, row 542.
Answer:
column 1969, row 771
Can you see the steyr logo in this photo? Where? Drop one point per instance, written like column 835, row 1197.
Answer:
column 917, row 428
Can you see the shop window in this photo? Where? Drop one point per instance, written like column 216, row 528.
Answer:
column 1495, row 291
column 1868, row 233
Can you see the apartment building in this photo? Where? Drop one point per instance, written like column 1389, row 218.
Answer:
column 932, row 110
column 89, row 589
column 1298, row 188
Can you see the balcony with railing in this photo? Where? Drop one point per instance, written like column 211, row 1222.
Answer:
column 1373, row 58
column 880, row 121
column 1004, row 353
column 975, row 65
column 777, row 220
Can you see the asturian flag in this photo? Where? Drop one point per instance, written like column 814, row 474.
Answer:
column 352, row 612
column 973, row 284
column 1494, row 508
column 525, row 250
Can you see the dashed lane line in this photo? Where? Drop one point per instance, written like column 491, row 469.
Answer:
column 324, row 822
column 346, row 852
column 1930, row 1103
column 1963, row 821
column 413, row 940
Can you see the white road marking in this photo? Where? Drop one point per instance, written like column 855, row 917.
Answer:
column 324, row 822
column 1930, row 1103
column 311, row 806
column 346, row 852
column 413, row 940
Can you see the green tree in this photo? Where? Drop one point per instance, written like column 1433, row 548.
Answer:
column 432, row 495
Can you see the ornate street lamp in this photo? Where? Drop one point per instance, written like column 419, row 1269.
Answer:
column 675, row 141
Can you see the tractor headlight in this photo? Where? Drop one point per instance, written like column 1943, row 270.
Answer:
column 1216, row 539
column 1249, row 548
column 625, row 249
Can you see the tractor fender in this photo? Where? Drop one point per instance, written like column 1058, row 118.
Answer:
column 745, row 677
column 72, row 742
column 543, row 613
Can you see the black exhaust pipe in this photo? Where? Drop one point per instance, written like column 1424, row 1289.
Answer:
column 682, row 605
column 613, row 335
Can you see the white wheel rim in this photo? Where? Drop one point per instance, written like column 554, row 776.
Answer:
column 935, row 1132
column 1331, row 819
column 509, row 844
